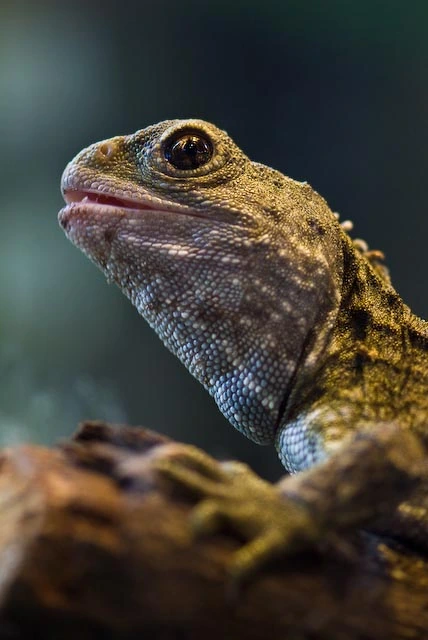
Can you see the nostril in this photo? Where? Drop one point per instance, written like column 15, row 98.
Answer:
column 106, row 149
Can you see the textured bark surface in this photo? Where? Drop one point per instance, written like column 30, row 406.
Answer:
column 94, row 545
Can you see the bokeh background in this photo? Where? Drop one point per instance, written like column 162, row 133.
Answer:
column 334, row 92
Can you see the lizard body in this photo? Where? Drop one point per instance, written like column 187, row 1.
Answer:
column 248, row 277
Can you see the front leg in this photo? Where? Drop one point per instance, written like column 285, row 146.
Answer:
column 361, row 484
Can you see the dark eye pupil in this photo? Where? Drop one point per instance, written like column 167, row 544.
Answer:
column 190, row 151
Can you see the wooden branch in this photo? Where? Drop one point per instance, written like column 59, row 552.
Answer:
column 94, row 545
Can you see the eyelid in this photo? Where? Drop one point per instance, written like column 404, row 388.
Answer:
column 176, row 135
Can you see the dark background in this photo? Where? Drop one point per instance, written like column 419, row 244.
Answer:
column 332, row 92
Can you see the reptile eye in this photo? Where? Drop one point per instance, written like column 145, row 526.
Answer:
column 189, row 151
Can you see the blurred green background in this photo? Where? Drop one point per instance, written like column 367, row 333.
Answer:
column 332, row 92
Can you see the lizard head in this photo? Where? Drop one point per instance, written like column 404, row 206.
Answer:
column 237, row 267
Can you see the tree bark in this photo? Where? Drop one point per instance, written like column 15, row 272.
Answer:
column 93, row 544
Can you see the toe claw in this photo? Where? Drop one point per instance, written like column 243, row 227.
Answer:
column 256, row 554
column 207, row 518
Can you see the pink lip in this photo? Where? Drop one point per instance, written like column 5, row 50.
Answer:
column 95, row 197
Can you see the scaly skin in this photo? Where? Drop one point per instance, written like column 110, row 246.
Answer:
column 248, row 277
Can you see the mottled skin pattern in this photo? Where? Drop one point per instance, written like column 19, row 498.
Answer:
column 248, row 277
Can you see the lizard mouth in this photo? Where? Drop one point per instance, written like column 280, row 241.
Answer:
column 83, row 205
column 96, row 197
column 91, row 199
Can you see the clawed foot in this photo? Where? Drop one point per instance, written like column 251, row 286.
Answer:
column 231, row 496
